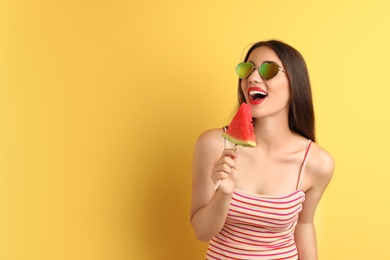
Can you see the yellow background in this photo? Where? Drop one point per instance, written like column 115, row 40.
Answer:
column 101, row 102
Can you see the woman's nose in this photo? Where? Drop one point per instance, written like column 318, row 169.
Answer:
column 255, row 77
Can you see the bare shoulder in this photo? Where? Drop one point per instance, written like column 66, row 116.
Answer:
column 210, row 139
column 208, row 147
column 320, row 164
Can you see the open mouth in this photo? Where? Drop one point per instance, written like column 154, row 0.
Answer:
column 256, row 94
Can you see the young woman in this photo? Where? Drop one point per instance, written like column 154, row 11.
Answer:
column 264, row 206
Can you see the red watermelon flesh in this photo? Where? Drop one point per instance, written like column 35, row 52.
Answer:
column 240, row 130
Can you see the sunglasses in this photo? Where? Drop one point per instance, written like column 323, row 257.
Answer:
column 267, row 70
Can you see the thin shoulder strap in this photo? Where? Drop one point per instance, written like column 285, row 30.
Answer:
column 302, row 170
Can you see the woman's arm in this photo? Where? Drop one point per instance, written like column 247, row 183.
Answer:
column 318, row 173
column 209, row 208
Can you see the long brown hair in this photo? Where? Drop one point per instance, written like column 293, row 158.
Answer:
column 301, row 112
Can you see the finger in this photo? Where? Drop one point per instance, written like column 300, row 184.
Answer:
column 222, row 175
column 226, row 167
column 231, row 153
column 226, row 159
column 219, row 175
column 224, row 164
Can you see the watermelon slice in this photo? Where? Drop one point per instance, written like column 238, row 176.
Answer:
column 240, row 131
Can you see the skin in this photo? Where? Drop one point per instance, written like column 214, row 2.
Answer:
column 271, row 168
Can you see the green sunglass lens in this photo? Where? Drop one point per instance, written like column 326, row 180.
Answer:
column 269, row 70
column 244, row 69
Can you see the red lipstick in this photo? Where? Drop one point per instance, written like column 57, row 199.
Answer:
column 256, row 95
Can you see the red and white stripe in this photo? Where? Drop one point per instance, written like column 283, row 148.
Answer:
column 258, row 227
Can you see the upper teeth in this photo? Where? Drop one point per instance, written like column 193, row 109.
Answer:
column 254, row 92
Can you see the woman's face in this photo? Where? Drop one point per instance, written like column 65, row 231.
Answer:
column 267, row 97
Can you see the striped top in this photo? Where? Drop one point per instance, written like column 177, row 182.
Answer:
column 259, row 226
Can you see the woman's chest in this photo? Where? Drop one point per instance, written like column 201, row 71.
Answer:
column 269, row 175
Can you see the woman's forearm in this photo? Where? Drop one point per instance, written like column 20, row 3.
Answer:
column 305, row 239
column 209, row 220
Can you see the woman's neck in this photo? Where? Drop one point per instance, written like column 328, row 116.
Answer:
column 272, row 132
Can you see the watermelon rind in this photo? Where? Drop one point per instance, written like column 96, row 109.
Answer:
column 247, row 143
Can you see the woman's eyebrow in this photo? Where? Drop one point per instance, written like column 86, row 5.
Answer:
column 265, row 61
column 269, row 61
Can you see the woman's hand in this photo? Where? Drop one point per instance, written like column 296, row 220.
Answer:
column 226, row 169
